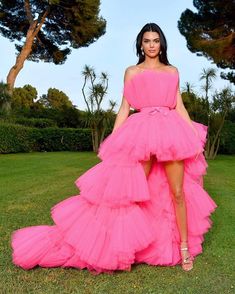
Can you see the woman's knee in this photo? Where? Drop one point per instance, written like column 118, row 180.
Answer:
column 178, row 194
column 175, row 174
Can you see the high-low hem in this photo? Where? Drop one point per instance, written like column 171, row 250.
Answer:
column 121, row 216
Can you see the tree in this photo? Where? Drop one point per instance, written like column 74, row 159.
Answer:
column 210, row 32
column 5, row 98
column 55, row 99
column 69, row 117
column 48, row 29
column 208, row 75
column 194, row 104
column 188, row 88
column 222, row 103
column 24, row 97
column 96, row 118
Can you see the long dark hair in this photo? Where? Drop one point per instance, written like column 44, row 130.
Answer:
column 152, row 27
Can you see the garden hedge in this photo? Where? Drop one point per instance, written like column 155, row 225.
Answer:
column 17, row 138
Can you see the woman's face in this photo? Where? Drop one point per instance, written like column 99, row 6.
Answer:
column 151, row 44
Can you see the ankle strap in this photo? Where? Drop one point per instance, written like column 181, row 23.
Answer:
column 185, row 248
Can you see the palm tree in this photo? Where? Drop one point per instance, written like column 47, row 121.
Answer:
column 188, row 88
column 96, row 118
column 89, row 74
column 208, row 75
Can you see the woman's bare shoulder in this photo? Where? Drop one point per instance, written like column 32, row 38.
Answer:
column 172, row 68
column 130, row 71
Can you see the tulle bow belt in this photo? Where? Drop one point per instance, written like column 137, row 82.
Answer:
column 152, row 110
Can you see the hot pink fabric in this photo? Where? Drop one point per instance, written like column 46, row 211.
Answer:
column 121, row 217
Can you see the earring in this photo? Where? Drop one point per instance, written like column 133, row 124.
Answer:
column 142, row 51
column 160, row 52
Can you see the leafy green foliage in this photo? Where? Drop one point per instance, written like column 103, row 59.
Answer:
column 68, row 24
column 35, row 122
column 24, row 96
column 195, row 106
column 5, row 98
column 95, row 117
column 55, row 99
column 16, row 138
column 54, row 106
column 210, row 32
column 211, row 112
column 227, row 142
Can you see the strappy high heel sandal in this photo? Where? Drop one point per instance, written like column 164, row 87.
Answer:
column 187, row 262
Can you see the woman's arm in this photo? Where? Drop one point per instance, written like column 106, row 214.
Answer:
column 122, row 114
column 180, row 108
column 124, row 109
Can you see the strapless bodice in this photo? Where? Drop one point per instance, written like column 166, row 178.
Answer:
column 150, row 88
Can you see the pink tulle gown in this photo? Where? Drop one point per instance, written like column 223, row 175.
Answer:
column 122, row 217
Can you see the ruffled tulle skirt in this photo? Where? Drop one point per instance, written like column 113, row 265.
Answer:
column 122, row 217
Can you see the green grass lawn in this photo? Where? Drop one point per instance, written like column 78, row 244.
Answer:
column 30, row 184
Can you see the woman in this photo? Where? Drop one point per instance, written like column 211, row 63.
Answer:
column 144, row 202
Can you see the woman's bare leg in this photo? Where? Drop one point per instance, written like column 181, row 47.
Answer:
column 147, row 165
column 175, row 175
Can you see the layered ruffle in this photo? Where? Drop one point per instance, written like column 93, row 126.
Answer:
column 161, row 214
column 114, row 183
column 99, row 238
column 122, row 217
column 168, row 137
column 102, row 238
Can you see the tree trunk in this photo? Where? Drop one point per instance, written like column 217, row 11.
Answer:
column 211, row 150
column 216, row 139
column 33, row 30
column 96, row 140
column 217, row 148
column 207, row 146
column 93, row 139
column 14, row 71
column 102, row 134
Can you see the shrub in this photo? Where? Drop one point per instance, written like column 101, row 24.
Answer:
column 227, row 142
column 17, row 138
column 36, row 122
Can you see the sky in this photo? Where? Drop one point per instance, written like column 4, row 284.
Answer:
column 113, row 52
